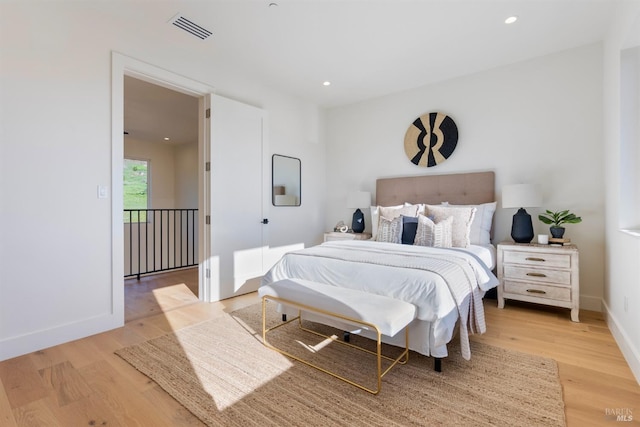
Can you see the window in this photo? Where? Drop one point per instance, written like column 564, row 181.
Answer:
column 136, row 189
column 630, row 140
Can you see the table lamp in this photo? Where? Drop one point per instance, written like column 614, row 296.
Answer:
column 357, row 200
column 521, row 196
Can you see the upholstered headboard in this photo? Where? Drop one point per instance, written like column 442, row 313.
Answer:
column 460, row 189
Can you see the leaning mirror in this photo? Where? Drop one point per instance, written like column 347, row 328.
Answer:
column 286, row 180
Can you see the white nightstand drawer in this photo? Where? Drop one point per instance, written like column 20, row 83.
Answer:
column 539, row 259
column 538, row 290
column 560, row 277
column 339, row 236
column 336, row 235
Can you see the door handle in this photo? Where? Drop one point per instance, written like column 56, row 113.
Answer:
column 265, row 221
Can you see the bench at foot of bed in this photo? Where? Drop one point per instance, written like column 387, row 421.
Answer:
column 437, row 361
column 377, row 313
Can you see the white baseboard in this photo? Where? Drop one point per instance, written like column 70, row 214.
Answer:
column 28, row 343
column 631, row 354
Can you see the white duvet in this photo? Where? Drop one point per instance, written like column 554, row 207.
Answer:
column 403, row 272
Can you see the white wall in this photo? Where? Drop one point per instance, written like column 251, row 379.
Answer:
column 55, row 145
column 622, row 282
column 186, row 176
column 174, row 172
column 538, row 121
column 296, row 130
column 163, row 172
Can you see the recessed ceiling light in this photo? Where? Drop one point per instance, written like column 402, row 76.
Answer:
column 327, row 83
column 166, row 138
column 511, row 20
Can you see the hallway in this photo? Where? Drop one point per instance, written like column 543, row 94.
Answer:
column 159, row 293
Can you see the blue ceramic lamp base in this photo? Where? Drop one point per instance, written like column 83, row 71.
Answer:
column 357, row 224
column 521, row 227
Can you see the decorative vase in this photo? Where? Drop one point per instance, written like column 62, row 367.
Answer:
column 357, row 224
column 521, row 227
column 557, row 232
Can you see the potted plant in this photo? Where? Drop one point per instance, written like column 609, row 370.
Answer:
column 556, row 219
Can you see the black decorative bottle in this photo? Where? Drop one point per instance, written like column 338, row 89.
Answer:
column 357, row 225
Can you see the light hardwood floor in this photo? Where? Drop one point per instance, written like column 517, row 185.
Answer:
column 82, row 383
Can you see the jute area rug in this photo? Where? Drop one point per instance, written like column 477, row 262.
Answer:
column 223, row 374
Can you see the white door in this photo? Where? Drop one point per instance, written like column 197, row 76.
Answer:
column 235, row 197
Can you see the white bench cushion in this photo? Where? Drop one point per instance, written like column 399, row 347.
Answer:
column 388, row 314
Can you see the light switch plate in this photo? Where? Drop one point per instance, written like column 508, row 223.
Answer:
column 103, row 192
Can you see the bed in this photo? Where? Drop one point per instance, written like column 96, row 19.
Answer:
column 446, row 284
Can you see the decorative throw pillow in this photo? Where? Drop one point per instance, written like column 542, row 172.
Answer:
column 390, row 212
column 462, row 219
column 389, row 230
column 433, row 234
column 409, row 228
column 375, row 218
column 480, row 233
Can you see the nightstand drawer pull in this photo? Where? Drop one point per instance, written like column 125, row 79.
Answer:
column 530, row 258
column 537, row 274
column 536, row 291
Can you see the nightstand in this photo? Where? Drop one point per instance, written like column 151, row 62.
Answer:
column 336, row 235
column 541, row 274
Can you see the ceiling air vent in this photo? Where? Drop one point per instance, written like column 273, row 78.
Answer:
column 190, row 27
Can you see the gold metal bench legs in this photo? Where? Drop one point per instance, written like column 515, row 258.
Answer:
column 401, row 359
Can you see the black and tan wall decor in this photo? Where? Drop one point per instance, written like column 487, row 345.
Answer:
column 431, row 139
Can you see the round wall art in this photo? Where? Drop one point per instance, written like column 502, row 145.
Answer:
column 431, row 139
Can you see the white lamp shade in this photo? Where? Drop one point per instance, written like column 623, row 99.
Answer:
column 359, row 199
column 521, row 196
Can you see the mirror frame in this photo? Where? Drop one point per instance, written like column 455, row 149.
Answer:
column 276, row 175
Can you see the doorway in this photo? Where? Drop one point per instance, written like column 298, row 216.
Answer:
column 124, row 67
column 160, row 200
column 232, row 175
column 160, row 179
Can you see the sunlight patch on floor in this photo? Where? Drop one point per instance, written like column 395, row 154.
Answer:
column 170, row 296
column 230, row 381
column 322, row 344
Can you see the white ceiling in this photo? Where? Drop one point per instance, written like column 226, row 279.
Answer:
column 367, row 49
column 152, row 113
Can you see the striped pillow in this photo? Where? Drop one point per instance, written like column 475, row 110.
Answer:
column 462, row 219
column 389, row 230
column 431, row 234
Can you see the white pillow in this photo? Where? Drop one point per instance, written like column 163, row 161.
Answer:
column 482, row 221
column 389, row 212
column 432, row 234
column 406, row 210
column 389, row 230
column 462, row 219
column 420, row 207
